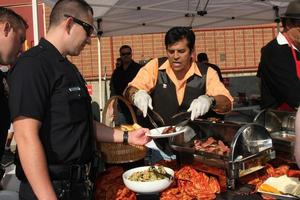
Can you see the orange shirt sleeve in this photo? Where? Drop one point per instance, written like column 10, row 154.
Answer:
column 146, row 78
column 214, row 86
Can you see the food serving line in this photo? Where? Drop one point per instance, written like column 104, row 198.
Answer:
column 234, row 154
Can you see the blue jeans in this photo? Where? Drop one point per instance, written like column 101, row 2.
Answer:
column 122, row 119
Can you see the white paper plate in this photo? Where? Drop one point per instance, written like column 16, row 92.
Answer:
column 277, row 196
column 157, row 132
column 284, row 184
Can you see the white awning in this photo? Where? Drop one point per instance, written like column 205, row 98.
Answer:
column 123, row 17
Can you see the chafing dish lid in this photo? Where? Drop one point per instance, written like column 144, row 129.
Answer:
column 244, row 140
column 250, row 139
column 276, row 120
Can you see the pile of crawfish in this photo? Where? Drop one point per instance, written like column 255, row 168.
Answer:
column 191, row 185
column 188, row 185
column 110, row 186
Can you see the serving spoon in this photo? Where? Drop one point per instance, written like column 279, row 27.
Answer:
column 167, row 175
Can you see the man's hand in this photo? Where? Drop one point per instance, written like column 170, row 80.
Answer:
column 138, row 136
column 142, row 100
column 200, row 106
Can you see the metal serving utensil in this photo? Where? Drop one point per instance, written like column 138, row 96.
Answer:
column 167, row 175
column 181, row 119
column 182, row 124
column 182, row 115
column 156, row 117
column 153, row 123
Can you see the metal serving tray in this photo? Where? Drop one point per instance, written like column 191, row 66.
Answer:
column 250, row 147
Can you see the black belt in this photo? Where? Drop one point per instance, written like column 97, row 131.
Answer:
column 70, row 172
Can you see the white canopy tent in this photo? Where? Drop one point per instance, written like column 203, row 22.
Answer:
column 125, row 17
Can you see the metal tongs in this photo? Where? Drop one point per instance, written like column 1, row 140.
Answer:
column 182, row 115
column 153, row 123
column 167, row 175
column 158, row 119
column 181, row 119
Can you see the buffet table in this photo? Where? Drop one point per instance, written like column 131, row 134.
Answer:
column 240, row 156
column 110, row 185
column 230, row 195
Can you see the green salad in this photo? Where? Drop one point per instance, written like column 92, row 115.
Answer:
column 151, row 174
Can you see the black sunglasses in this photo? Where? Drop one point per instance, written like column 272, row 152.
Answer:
column 89, row 29
column 126, row 54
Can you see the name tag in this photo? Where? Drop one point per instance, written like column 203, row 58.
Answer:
column 72, row 89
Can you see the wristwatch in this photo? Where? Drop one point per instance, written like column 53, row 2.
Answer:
column 125, row 137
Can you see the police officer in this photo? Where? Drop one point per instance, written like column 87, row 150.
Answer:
column 12, row 36
column 51, row 111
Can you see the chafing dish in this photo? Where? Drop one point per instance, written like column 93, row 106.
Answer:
column 250, row 148
column 281, row 126
column 276, row 120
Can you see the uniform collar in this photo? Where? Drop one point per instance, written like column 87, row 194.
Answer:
column 48, row 45
column 193, row 69
column 281, row 40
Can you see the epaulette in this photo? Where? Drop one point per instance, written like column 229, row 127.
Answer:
column 33, row 51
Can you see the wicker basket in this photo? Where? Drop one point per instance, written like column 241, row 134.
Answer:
column 117, row 152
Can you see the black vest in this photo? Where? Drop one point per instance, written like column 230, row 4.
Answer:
column 164, row 93
column 164, row 98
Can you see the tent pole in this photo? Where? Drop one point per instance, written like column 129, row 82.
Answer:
column 35, row 21
column 277, row 18
column 278, row 27
column 100, row 77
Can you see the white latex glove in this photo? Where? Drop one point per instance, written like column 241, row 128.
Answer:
column 142, row 100
column 200, row 106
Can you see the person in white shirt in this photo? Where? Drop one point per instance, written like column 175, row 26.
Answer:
column 279, row 68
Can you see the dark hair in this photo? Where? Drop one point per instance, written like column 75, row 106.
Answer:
column 125, row 47
column 75, row 8
column 202, row 57
column 178, row 33
column 8, row 15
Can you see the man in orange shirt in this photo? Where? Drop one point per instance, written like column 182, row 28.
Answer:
column 177, row 83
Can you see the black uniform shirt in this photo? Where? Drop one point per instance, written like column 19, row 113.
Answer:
column 120, row 77
column 4, row 112
column 47, row 87
column 119, row 81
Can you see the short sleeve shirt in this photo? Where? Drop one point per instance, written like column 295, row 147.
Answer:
column 147, row 77
column 45, row 86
